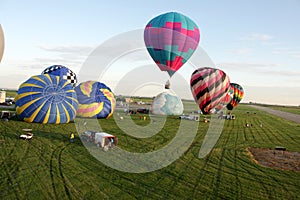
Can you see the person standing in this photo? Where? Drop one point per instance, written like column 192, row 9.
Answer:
column 72, row 136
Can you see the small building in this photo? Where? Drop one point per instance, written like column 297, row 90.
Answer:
column 2, row 96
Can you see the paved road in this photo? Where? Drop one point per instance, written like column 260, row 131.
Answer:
column 286, row 115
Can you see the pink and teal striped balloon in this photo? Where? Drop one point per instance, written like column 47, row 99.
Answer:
column 171, row 39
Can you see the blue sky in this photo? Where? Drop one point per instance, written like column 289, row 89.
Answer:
column 257, row 43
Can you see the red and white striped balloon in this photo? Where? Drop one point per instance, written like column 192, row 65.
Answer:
column 209, row 87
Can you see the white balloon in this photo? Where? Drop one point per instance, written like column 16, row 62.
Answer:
column 1, row 43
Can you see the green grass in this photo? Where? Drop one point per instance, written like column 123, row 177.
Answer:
column 295, row 110
column 291, row 109
column 50, row 167
column 11, row 93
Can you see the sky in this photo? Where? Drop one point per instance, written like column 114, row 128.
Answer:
column 256, row 43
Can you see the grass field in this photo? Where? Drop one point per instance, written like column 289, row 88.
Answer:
column 50, row 167
column 291, row 109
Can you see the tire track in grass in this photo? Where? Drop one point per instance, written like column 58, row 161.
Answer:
column 51, row 171
column 61, row 172
column 37, row 143
column 244, row 133
column 92, row 165
column 207, row 160
column 179, row 176
column 262, row 179
column 201, row 175
column 276, row 134
column 256, row 178
column 270, row 137
column 12, row 148
column 53, row 158
column 257, row 121
column 239, row 190
column 259, row 132
column 12, row 171
column 223, row 146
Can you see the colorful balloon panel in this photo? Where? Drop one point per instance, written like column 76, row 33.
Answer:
column 46, row 99
column 62, row 71
column 209, row 87
column 238, row 93
column 171, row 39
column 95, row 100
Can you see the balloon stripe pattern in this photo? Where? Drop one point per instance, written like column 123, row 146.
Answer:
column 209, row 87
column 96, row 100
column 171, row 39
column 46, row 99
column 238, row 93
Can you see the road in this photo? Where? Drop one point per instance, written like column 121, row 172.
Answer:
column 286, row 115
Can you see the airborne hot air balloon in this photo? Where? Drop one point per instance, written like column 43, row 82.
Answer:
column 46, row 99
column 171, row 39
column 1, row 43
column 95, row 100
column 63, row 72
column 238, row 93
column 209, row 87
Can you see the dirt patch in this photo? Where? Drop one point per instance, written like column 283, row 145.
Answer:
column 277, row 159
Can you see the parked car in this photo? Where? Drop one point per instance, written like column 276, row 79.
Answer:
column 143, row 110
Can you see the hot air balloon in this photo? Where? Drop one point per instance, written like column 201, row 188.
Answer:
column 171, row 39
column 95, row 100
column 46, row 99
column 238, row 94
column 209, row 87
column 63, row 72
column 167, row 103
column 1, row 43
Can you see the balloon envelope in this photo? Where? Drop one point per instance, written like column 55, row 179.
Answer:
column 167, row 103
column 1, row 43
column 171, row 39
column 95, row 100
column 238, row 93
column 209, row 87
column 63, row 72
column 46, row 99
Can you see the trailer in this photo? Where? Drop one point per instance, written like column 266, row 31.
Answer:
column 101, row 139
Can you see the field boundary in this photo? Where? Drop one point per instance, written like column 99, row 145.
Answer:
column 289, row 116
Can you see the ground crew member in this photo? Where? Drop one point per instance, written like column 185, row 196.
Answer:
column 72, row 137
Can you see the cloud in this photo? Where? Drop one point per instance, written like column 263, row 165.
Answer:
column 261, row 68
column 77, row 49
column 249, row 66
column 257, row 37
column 287, row 51
column 71, row 56
column 240, row 51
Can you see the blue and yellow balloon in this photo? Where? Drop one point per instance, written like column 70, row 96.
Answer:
column 46, row 99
